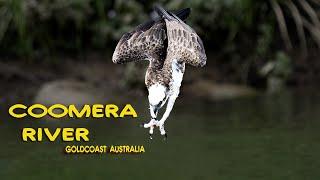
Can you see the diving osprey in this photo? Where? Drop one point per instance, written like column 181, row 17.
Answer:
column 168, row 44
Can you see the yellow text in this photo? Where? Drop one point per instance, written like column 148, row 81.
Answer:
column 60, row 111
column 67, row 134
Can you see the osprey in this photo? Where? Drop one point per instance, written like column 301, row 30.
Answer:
column 168, row 43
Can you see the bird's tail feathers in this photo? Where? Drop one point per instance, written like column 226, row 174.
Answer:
column 163, row 13
column 183, row 13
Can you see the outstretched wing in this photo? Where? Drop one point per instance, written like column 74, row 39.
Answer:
column 141, row 44
column 183, row 42
column 147, row 41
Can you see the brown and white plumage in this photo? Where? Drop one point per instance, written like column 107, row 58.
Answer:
column 148, row 41
column 183, row 42
column 144, row 43
column 168, row 43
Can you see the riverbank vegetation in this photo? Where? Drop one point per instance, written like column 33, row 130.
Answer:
column 247, row 41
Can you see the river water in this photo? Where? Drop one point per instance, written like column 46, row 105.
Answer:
column 264, row 137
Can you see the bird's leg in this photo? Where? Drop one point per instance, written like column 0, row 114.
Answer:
column 153, row 113
column 153, row 121
column 166, row 114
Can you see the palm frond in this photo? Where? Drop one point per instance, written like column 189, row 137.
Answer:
column 282, row 23
column 299, row 24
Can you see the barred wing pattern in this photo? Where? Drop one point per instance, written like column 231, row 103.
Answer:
column 141, row 44
column 183, row 43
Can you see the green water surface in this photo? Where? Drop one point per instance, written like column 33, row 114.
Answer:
column 265, row 137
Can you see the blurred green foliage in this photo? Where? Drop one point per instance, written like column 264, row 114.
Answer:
column 32, row 27
column 29, row 27
column 277, row 72
column 239, row 33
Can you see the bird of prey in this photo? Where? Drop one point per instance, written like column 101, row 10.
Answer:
column 168, row 43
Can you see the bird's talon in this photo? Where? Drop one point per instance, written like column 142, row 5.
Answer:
column 151, row 130
column 161, row 128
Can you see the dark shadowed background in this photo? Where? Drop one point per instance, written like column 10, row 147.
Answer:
column 251, row 113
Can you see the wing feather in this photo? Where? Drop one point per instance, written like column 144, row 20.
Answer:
column 147, row 41
column 184, row 44
column 140, row 44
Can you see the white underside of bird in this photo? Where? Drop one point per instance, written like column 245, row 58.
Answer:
column 159, row 95
column 168, row 43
